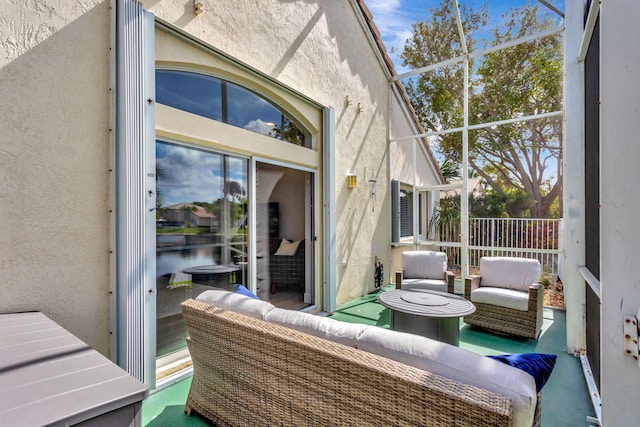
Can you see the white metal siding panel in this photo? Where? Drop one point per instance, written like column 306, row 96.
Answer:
column 135, row 191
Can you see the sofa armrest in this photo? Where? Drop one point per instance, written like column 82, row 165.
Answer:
column 536, row 296
column 449, row 277
column 471, row 283
column 398, row 279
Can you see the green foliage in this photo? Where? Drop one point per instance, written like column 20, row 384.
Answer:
column 491, row 206
column 185, row 230
column 556, row 210
column 290, row 134
column 450, row 171
column 509, row 83
column 508, row 204
column 437, row 96
column 445, row 220
column 446, row 216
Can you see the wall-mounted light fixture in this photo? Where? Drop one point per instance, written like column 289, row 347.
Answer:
column 352, row 180
column 372, row 192
column 360, row 108
column 198, row 7
column 348, row 101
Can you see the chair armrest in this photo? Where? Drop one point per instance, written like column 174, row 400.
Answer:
column 471, row 283
column 536, row 296
column 398, row 279
column 449, row 277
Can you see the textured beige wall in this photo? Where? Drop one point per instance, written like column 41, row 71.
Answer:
column 322, row 52
column 54, row 109
column 54, row 157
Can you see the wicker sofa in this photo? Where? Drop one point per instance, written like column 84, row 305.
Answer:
column 255, row 364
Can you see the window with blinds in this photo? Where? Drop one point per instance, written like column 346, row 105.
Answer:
column 406, row 213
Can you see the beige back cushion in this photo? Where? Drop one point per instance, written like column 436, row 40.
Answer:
column 424, row 265
column 509, row 272
column 236, row 302
column 323, row 327
column 456, row 364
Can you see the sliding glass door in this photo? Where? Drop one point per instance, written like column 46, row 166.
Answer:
column 201, row 234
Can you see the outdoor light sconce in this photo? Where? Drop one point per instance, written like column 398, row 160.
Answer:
column 198, row 7
column 372, row 192
column 360, row 108
column 352, row 180
column 349, row 101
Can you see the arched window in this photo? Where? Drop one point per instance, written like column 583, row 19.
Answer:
column 227, row 102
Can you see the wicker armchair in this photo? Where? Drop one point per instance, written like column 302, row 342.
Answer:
column 507, row 297
column 425, row 270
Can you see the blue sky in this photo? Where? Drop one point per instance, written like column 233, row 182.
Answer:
column 394, row 18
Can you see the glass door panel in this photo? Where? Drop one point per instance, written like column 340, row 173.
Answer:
column 201, row 234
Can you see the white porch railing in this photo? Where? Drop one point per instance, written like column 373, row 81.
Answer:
column 533, row 238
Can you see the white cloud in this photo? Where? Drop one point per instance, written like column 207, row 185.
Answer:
column 188, row 175
column 259, row 126
column 383, row 6
column 394, row 19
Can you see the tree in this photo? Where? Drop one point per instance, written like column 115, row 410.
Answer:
column 507, row 204
column 449, row 170
column 510, row 83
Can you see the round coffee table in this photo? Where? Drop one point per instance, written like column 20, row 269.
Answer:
column 431, row 314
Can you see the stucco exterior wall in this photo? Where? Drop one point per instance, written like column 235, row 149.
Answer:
column 54, row 160
column 55, row 154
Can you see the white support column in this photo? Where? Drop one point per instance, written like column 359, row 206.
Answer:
column 464, row 193
column 328, row 202
column 135, row 192
column 573, row 179
column 414, row 191
column 620, row 201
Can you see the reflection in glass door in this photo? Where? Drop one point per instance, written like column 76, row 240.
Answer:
column 201, row 234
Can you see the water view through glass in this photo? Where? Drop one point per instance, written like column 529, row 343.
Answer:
column 201, row 243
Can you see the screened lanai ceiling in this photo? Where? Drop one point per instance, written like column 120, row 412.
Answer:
column 476, row 49
column 471, row 34
column 395, row 17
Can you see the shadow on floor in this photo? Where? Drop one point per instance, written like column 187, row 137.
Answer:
column 565, row 400
column 174, row 416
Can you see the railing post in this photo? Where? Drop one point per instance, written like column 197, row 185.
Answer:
column 493, row 235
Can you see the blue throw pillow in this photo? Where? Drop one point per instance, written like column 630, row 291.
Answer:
column 242, row 290
column 538, row 365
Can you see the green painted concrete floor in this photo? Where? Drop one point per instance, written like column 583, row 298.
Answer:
column 565, row 399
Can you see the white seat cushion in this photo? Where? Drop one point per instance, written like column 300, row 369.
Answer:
column 428, row 284
column 509, row 298
column 509, row 272
column 424, row 264
column 323, row 327
column 236, row 302
column 456, row 364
